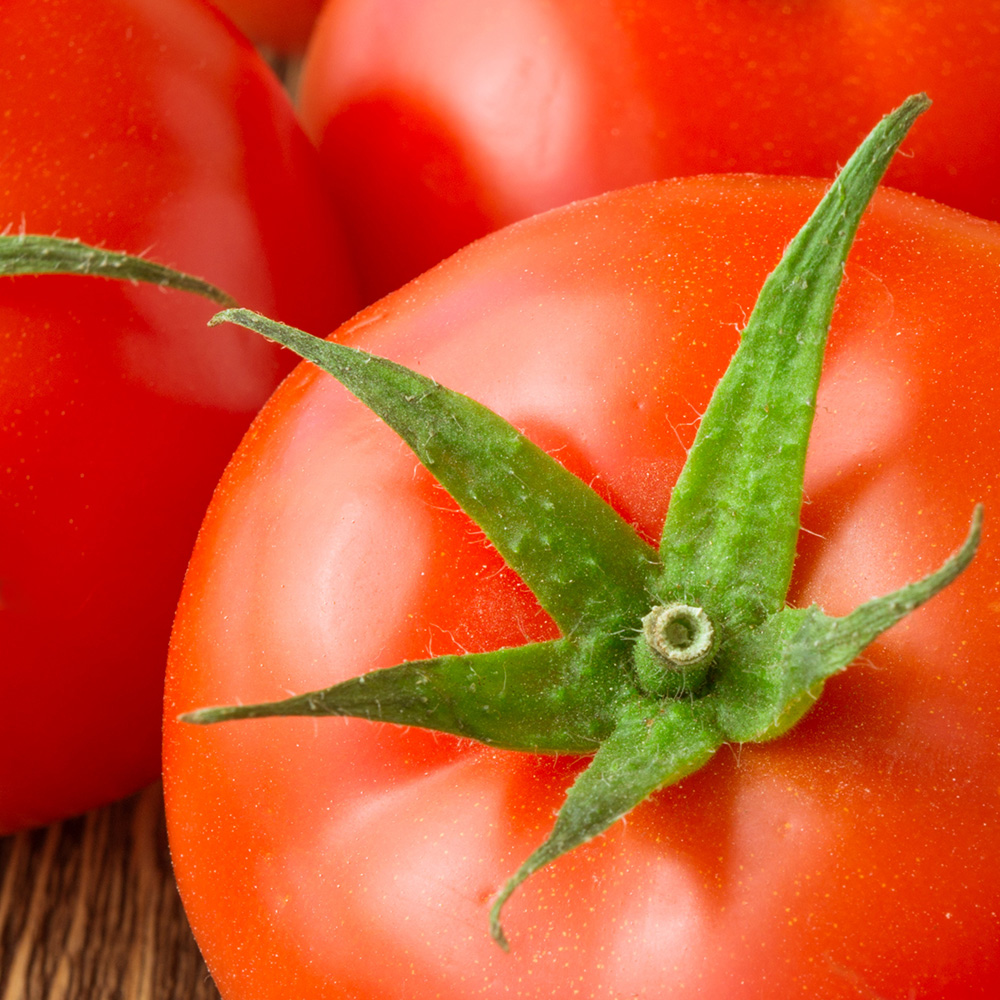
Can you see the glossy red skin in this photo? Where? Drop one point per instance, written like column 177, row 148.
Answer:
column 856, row 856
column 283, row 25
column 147, row 126
column 441, row 120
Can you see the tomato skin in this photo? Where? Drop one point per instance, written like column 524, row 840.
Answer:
column 441, row 120
column 147, row 126
column 284, row 25
column 332, row 858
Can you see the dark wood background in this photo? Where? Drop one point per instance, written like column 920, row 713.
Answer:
column 89, row 911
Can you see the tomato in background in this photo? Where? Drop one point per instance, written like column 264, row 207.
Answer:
column 284, row 25
column 147, row 126
column 440, row 120
column 855, row 856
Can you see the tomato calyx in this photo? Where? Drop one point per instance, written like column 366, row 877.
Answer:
column 712, row 596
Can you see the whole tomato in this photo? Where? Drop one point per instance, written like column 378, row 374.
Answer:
column 284, row 25
column 442, row 120
column 854, row 856
column 147, row 126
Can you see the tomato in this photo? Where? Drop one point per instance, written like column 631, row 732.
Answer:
column 147, row 126
column 284, row 25
column 853, row 856
column 442, row 120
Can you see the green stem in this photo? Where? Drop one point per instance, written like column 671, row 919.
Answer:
column 29, row 254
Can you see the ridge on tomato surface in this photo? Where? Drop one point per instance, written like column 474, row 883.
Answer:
column 667, row 653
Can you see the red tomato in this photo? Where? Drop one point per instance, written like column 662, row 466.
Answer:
column 284, row 25
column 444, row 119
column 140, row 125
column 855, row 856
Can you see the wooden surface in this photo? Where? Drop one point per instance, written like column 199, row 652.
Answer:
column 89, row 911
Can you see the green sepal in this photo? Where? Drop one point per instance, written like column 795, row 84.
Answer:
column 731, row 528
column 24, row 254
column 545, row 697
column 655, row 743
column 586, row 565
column 771, row 674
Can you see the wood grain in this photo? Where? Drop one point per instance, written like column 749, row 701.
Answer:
column 89, row 911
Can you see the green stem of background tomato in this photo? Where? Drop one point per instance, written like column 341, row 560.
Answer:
column 26, row 253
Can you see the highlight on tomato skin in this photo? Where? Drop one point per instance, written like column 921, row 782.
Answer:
column 146, row 126
column 854, row 852
column 442, row 120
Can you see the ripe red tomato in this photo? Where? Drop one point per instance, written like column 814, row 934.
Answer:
column 444, row 119
column 147, row 126
column 284, row 25
column 854, row 856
